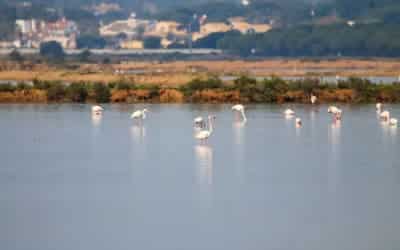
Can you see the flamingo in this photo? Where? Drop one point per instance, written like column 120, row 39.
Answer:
column 313, row 99
column 289, row 112
column 385, row 115
column 199, row 121
column 97, row 110
column 338, row 115
column 333, row 109
column 139, row 114
column 393, row 122
column 298, row 122
column 240, row 108
column 205, row 133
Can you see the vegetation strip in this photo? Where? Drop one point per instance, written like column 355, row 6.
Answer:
column 209, row 90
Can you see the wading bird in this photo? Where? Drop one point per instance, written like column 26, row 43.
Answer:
column 333, row 109
column 289, row 112
column 139, row 114
column 205, row 133
column 199, row 122
column 385, row 115
column 240, row 108
column 393, row 122
column 97, row 110
column 379, row 106
column 298, row 122
column 313, row 99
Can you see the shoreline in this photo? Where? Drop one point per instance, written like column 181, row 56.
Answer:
column 204, row 90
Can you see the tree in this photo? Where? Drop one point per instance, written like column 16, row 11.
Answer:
column 152, row 42
column 16, row 56
column 52, row 50
column 84, row 56
column 90, row 42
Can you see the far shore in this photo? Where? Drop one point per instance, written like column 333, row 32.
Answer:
column 178, row 73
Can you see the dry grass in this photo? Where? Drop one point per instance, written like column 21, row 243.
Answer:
column 173, row 74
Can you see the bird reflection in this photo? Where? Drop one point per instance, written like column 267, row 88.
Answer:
column 335, row 132
column 238, row 127
column 393, row 131
column 238, row 138
column 204, row 159
column 334, row 158
column 96, row 120
column 138, row 132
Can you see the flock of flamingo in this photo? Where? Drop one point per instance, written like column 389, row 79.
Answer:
column 205, row 126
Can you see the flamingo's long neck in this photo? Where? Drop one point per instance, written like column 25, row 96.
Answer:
column 144, row 114
column 210, row 125
column 243, row 115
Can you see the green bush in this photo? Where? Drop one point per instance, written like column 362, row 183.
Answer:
column 23, row 86
column 244, row 83
column 42, row 85
column 77, row 92
column 7, row 87
column 307, row 85
column 56, row 92
column 200, row 84
column 274, row 87
column 121, row 85
column 102, row 93
column 249, row 89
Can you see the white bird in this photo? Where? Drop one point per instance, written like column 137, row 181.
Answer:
column 393, row 122
column 139, row 114
column 205, row 133
column 385, row 115
column 199, row 121
column 333, row 109
column 97, row 109
column 379, row 106
column 298, row 122
column 289, row 112
column 313, row 99
column 338, row 115
column 240, row 108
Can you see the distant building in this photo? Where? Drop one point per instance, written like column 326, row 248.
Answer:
column 209, row 28
column 234, row 24
column 244, row 27
column 129, row 27
column 131, row 44
column 32, row 32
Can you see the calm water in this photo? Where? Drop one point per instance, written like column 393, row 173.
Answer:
column 70, row 182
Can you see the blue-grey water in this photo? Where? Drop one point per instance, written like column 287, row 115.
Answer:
column 70, row 181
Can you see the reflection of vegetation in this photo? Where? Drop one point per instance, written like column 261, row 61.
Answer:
column 244, row 89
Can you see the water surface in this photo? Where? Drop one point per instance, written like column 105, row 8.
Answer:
column 70, row 181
